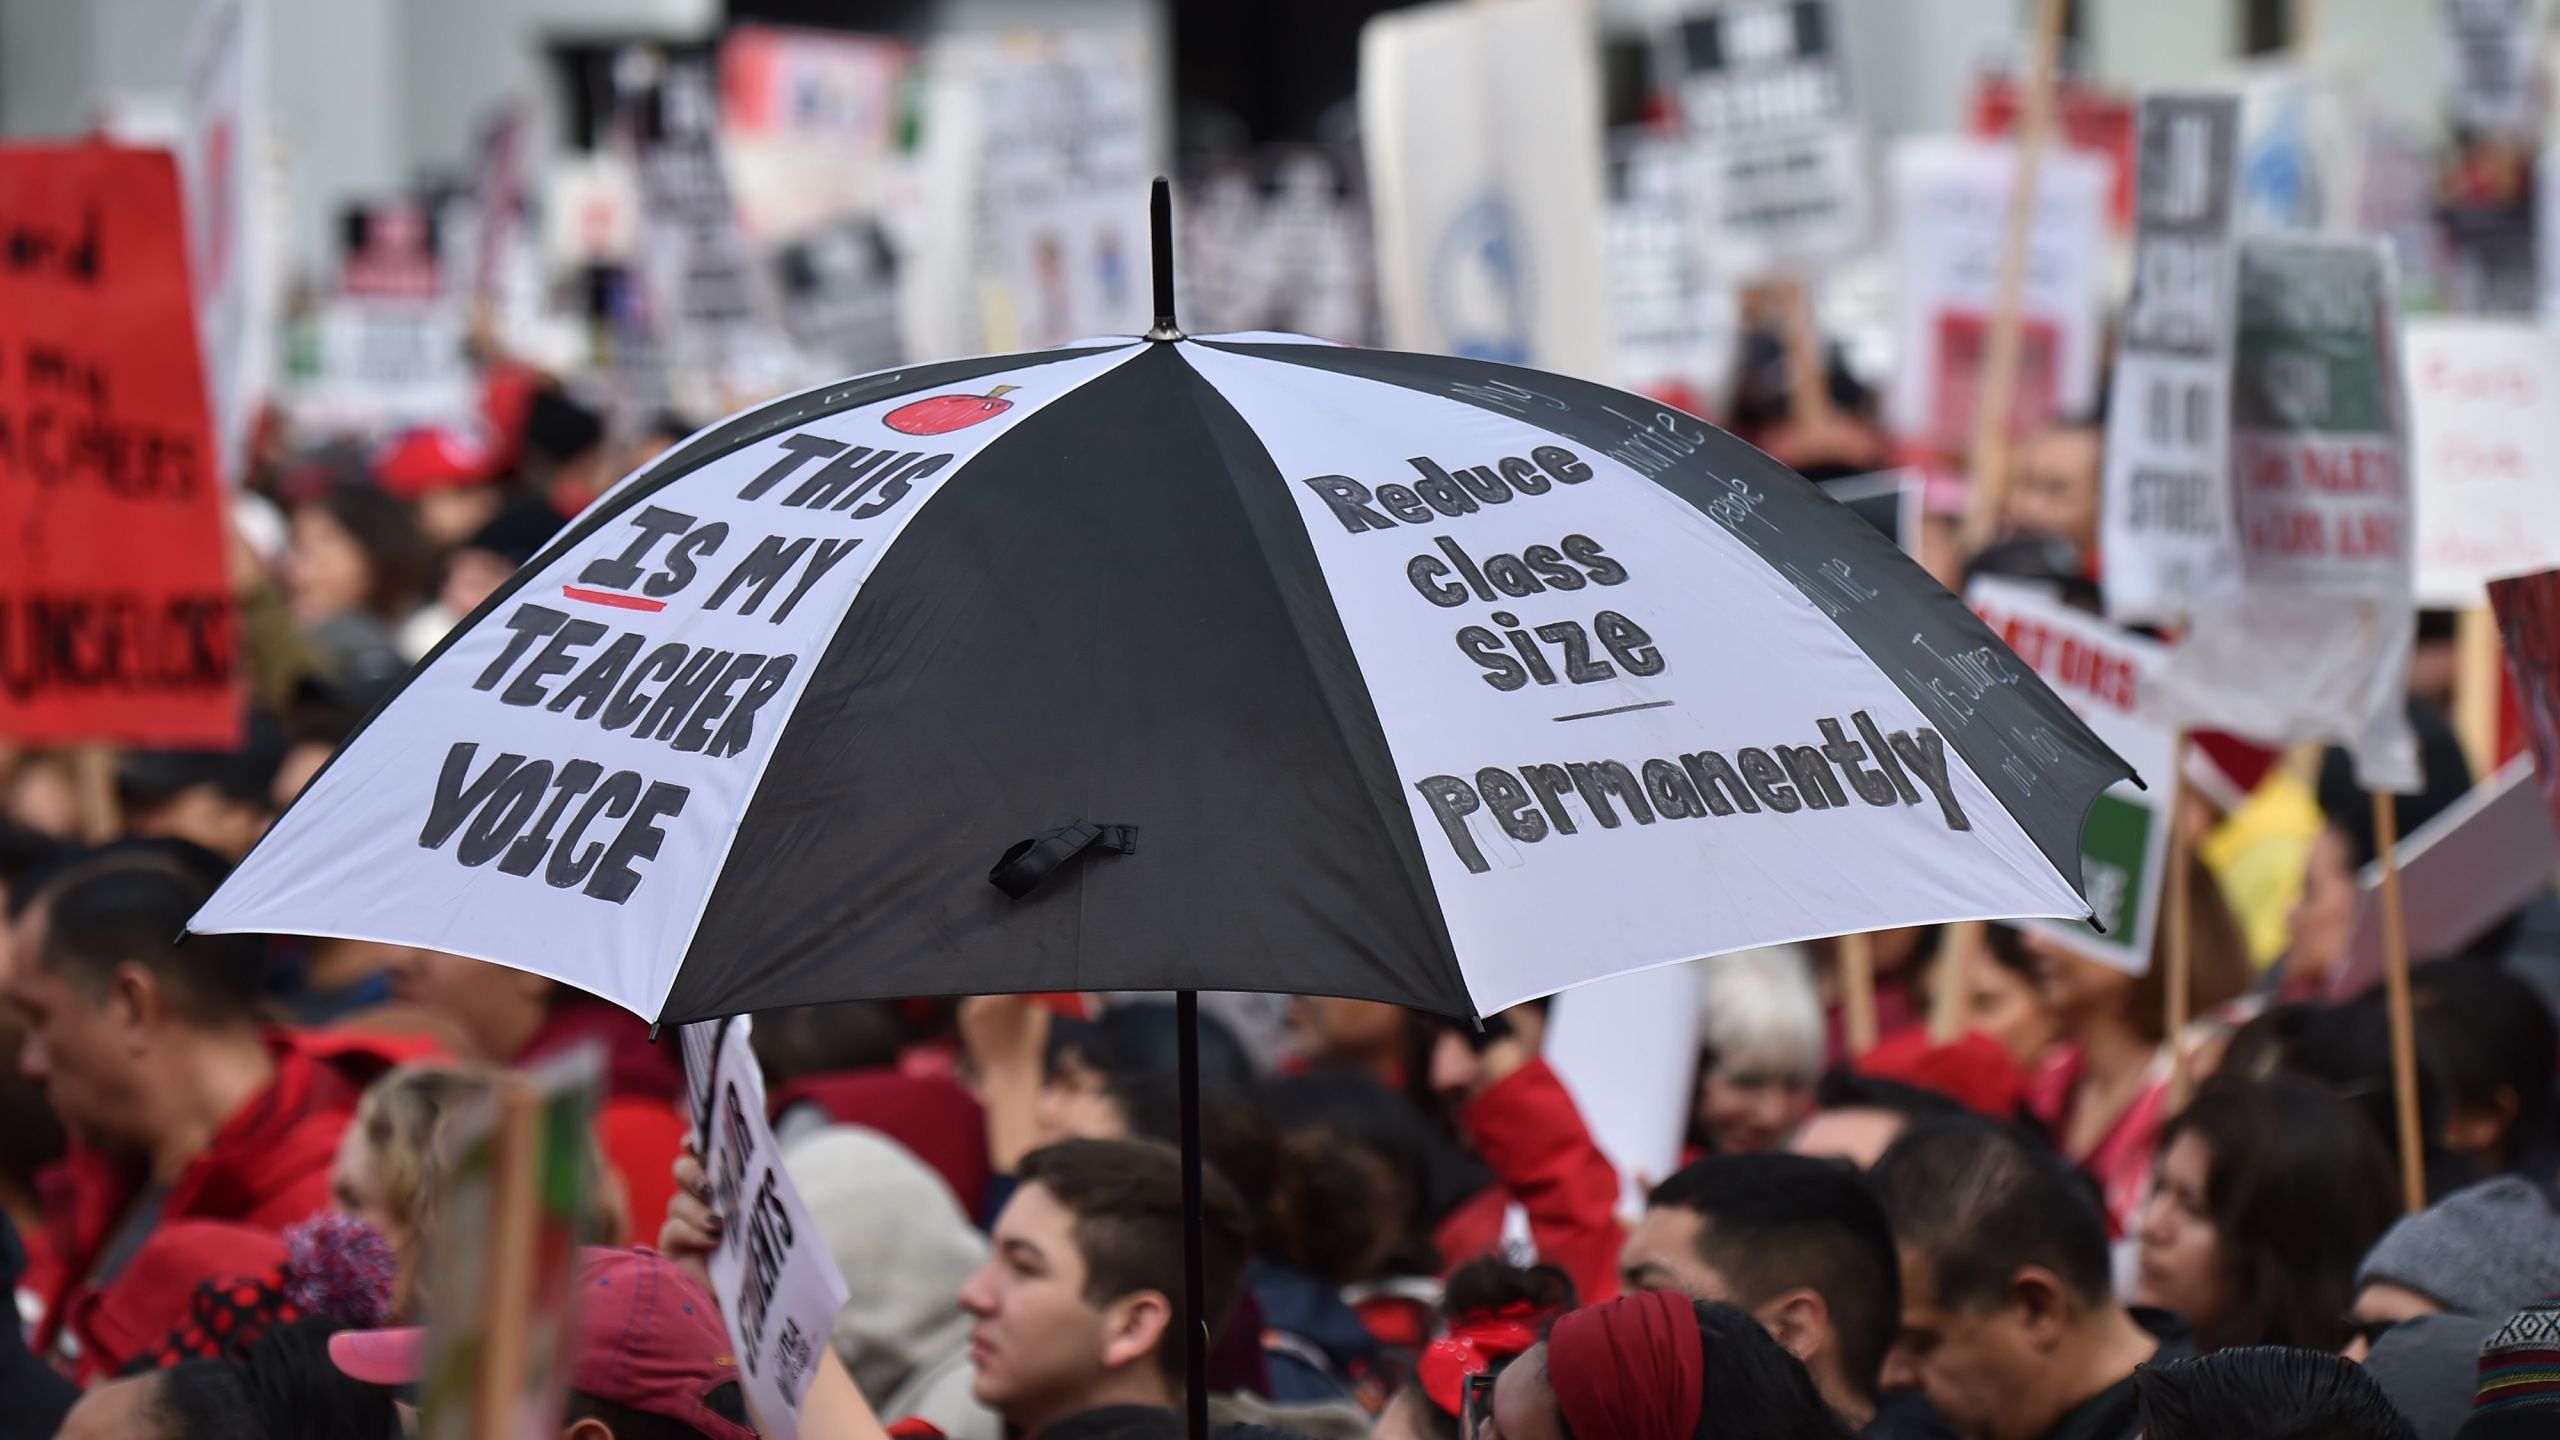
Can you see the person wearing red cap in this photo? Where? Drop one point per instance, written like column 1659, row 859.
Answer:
column 1801, row 1245
column 648, row 1359
column 1656, row 1366
column 449, row 476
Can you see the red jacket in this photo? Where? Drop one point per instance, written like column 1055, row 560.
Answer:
column 642, row 1126
column 268, row 1166
column 1526, row 1129
column 940, row 1123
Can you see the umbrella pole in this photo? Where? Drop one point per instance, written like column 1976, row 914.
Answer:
column 1195, row 1261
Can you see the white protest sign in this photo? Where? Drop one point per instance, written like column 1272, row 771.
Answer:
column 2484, row 446
column 1626, row 1049
column 2102, row 672
column 1782, row 180
column 1066, row 164
column 2322, row 496
column 1951, row 205
column 1480, row 124
column 1678, row 329
column 223, row 163
column 779, row 1289
column 710, row 294
column 391, row 339
column 2489, row 49
column 2168, row 457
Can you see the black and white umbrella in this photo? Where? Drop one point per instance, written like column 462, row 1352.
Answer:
column 1331, row 671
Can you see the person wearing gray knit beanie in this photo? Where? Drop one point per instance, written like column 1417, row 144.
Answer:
column 2480, row 1251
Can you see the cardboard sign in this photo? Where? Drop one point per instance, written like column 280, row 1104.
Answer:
column 1782, row 179
column 2484, row 442
column 2322, row 508
column 1626, row 1049
column 391, row 339
column 779, row 1289
column 2529, row 622
column 1481, row 129
column 2473, row 864
column 116, row 615
column 2103, row 672
column 1951, row 205
column 2168, row 521
column 224, row 165
column 502, row 1283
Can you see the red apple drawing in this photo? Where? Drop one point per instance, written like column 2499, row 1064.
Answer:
column 942, row 414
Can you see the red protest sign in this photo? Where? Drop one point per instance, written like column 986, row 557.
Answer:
column 116, row 618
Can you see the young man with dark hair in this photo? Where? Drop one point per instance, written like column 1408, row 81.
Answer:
column 2008, row 1319
column 179, row 1104
column 1080, row 1304
column 1796, row 1241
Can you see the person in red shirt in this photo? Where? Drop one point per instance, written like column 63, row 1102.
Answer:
column 179, row 1104
column 501, row 1016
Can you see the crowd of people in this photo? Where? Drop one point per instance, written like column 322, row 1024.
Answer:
column 219, row 1159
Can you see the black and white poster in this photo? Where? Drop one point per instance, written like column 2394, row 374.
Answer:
column 1781, row 170
column 2169, row 513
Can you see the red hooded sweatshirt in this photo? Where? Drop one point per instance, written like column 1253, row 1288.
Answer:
column 268, row 1166
column 642, row 1126
column 1527, row 1131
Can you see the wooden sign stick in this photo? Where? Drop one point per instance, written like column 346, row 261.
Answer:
column 2479, row 680
column 2176, row 893
column 2404, row 1035
column 1858, row 992
column 507, row 1269
column 1962, row 943
column 1999, row 385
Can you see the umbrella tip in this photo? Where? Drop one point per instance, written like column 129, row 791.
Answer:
column 1160, row 231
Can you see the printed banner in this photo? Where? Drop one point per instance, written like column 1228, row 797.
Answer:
column 1782, row 180
column 2102, row 671
column 779, row 1289
column 1481, row 129
column 808, row 125
column 1951, row 207
column 2484, row 443
column 2094, row 122
column 2324, row 519
column 224, row 166
column 391, row 339
column 116, row 613
column 2169, row 515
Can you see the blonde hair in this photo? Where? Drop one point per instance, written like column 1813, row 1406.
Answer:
column 406, row 1121
column 1760, row 1011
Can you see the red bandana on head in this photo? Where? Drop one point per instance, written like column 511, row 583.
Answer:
column 1629, row 1369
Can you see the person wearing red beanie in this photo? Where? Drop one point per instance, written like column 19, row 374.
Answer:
column 1656, row 1366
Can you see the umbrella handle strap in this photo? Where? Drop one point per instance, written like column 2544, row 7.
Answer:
column 1034, row 860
